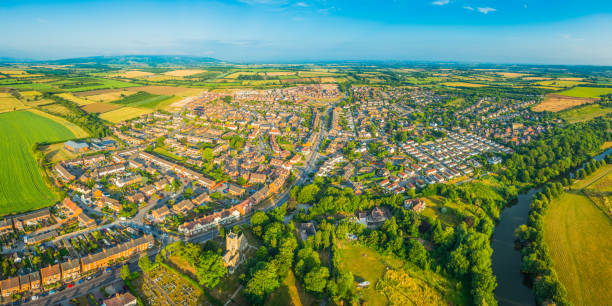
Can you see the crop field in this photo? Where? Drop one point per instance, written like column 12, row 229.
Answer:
column 22, row 187
column 133, row 74
column 184, row 72
column 100, row 107
column 147, row 100
column 578, row 236
column 585, row 113
column 125, row 113
column 109, row 96
column 169, row 90
column 56, row 109
column 88, row 84
column 75, row 99
column 587, row 92
column 9, row 104
column 560, row 83
column 555, row 103
column 462, row 84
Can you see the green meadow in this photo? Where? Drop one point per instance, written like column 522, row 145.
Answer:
column 587, row 92
column 22, row 187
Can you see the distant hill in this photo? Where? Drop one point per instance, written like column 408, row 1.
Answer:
column 137, row 60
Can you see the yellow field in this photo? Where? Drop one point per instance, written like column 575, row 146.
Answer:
column 10, row 71
column 132, row 74
column 314, row 74
column 555, row 103
column 57, row 109
column 511, row 74
column 9, row 104
column 462, row 84
column 184, row 72
column 73, row 98
column 169, row 90
column 56, row 152
column 571, row 79
column 560, row 83
column 110, row 96
column 536, row 78
column 237, row 74
column 125, row 113
column 75, row 129
column 30, row 93
column 160, row 77
column 280, row 73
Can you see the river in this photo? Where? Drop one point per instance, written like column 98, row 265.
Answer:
column 506, row 260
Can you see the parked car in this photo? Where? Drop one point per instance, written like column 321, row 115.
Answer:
column 80, row 281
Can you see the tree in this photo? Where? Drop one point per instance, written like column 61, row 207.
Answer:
column 263, row 282
column 210, row 269
column 145, row 263
column 125, row 272
column 308, row 193
column 316, row 280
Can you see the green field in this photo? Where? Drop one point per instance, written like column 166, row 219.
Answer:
column 22, row 186
column 585, row 113
column 146, row 100
column 577, row 234
column 125, row 113
column 587, row 92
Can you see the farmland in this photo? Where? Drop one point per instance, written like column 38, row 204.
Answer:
column 146, row 100
column 556, row 103
column 99, row 107
column 585, row 113
column 124, row 113
column 22, row 186
column 578, row 236
column 587, row 92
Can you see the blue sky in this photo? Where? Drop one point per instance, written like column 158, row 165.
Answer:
column 505, row 31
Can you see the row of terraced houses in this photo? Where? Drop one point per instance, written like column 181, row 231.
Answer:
column 74, row 268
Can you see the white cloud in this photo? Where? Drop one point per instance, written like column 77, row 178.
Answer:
column 486, row 10
column 468, row 8
column 441, row 2
column 302, row 4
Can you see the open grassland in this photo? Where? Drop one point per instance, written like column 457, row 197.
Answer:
column 9, row 104
column 368, row 265
column 56, row 152
column 585, row 113
column 578, row 236
column 555, row 103
column 75, row 99
column 462, row 84
column 184, row 72
column 125, row 113
column 100, row 107
column 22, row 186
column 587, row 92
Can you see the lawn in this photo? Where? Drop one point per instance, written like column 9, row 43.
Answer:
column 587, row 92
column 585, row 113
column 22, row 187
column 578, row 237
column 166, row 153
